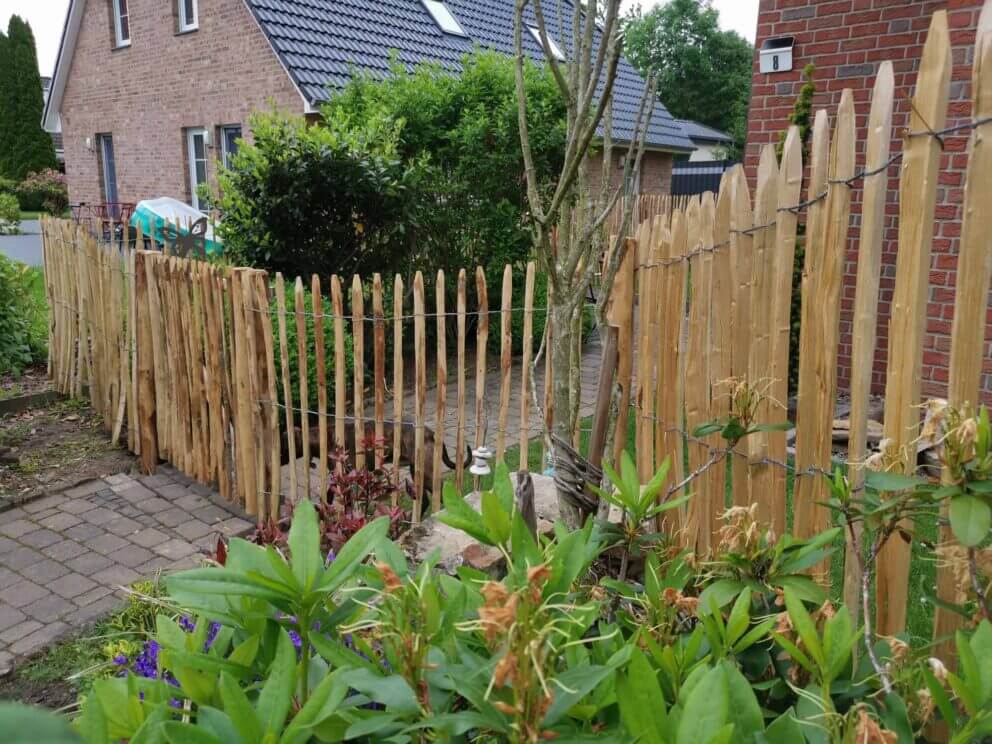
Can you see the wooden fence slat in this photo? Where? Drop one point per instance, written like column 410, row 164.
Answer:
column 287, row 388
column 806, row 393
column 271, row 421
column 379, row 340
column 673, row 360
column 420, row 391
column 760, row 474
column 145, row 363
column 440, row 391
column 303, row 373
column 863, row 329
column 644, row 431
column 481, row 342
column 720, row 345
column 506, row 321
column 917, row 202
column 973, row 273
column 741, row 219
column 620, row 313
column 460, row 424
column 320, row 352
column 525, row 372
column 397, row 379
column 790, row 183
column 340, row 392
column 358, row 340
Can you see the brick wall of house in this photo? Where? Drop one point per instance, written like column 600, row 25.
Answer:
column 656, row 170
column 147, row 94
column 847, row 39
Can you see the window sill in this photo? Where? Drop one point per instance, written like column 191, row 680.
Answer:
column 119, row 47
column 185, row 31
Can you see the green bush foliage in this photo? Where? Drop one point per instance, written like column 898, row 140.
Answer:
column 326, row 199
column 48, row 189
column 10, row 213
column 23, row 316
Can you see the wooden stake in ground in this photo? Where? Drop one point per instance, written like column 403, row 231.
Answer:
column 917, row 203
column 525, row 367
column 866, row 295
column 379, row 331
column 318, row 335
column 420, row 390
column 397, row 379
column 481, row 341
column 505, row 360
column 441, row 391
column 358, row 339
column 790, row 183
column 741, row 219
column 304, row 374
column 974, row 270
column 340, row 391
column 720, row 346
column 145, row 361
column 460, row 424
column 287, row 388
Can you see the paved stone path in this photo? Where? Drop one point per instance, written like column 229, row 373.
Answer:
column 65, row 557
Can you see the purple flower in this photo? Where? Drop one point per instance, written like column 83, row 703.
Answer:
column 187, row 624
column 121, row 660
column 330, row 557
column 295, row 638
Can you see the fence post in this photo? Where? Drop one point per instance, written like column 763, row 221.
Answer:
column 441, row 390
column 481, row 341
column 303, row 374
column 917, row 203
column 620, row 313
column 317, row 303
column 287, row 388
column 505, row 360
column 420, row 379
column 358, row 340
column 525, row 376
column 397, row 378
column 145, row 358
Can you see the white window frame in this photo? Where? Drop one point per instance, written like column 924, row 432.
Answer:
column 555, row 49
column 186, row 24
column 191, row 134
column 119, row 16
column 444, row 18
column 226, row 154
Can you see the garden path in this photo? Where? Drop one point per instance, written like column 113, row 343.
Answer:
column 64, row 558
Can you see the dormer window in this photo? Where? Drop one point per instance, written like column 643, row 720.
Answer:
column 188, row 20
column 122, row 23
column 555, row 49
column 443, row 17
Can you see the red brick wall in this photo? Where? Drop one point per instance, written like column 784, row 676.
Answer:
column 656, row 170
column 146, row 94
column 846, row 40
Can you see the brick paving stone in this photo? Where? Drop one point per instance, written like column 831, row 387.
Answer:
column 98, row 592
column 41, row 538
column 44, row 570
column 134, row 492
column 172, row 491
column 94, row 611
column 194, row 528
column 45, row 502
column 200, row 490
column 154, row 505
column 156, row 564
column 89, row 563
column 12, row 515
column 71, row 585
column 40, row 638
column 24, row 593
column 85, row 489
column 148, row 520
column 99, row 516
column 118, row 479
column 133, row 556
column 116, row 576
column 7, row 545
column 174, row 548
column 10, row 616
column 85, row 532
column 8, row 577
column 148, row 537
column 172, row 517
column 192, row 501
column 122, row 526
column 21, row 558
column 154, row 481
column 16, row 527
column 38, row 516
column 18, row 631
column 211, row 514
column 61, row 521
column 77, row 506
column 107, row 544
column 64, row 550
column 48, row 608
column 234, row 526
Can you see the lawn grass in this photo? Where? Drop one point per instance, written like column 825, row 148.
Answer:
column 30, row 215
column 922, row 576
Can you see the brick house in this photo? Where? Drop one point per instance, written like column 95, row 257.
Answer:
column 846, row 40
column 151, row 94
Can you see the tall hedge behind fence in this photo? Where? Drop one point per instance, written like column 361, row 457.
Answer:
column 186, row 353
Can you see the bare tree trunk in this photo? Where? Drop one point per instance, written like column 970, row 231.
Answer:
column 562, row 344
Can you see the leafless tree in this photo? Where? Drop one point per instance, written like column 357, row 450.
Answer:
column 568, row 222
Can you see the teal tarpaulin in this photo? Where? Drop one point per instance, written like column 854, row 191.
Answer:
column 157, row 217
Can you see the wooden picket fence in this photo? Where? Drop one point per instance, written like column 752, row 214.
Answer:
column 723, row 267
column 185, row 353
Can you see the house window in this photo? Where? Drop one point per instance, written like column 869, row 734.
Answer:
column 229, row 136
column 122, row 23
column 555, row 49
column 196, row 154
column 188, row 20
column 108, row 167
column 443, row 17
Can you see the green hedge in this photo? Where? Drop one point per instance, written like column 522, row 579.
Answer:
column 23, row 316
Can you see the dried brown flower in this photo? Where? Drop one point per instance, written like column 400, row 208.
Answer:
column 506, row 670
column 496, row 620
column 504, row 708
column 869, row 732
column 389, row 578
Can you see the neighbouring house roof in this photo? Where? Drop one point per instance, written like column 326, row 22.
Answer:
column 320, row 42
column 701, row 133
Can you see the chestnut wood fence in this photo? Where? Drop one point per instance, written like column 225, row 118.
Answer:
column 186, row 353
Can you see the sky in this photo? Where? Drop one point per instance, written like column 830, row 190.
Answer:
column 47, row 16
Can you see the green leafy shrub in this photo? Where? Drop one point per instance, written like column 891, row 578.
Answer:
column 10, row 213
column 48, row 189
column 23, row 316
column 326, row 199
